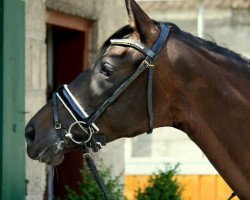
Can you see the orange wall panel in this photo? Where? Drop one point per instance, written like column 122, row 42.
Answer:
column 195, row 187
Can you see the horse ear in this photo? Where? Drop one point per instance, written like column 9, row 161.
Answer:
column 139, row 20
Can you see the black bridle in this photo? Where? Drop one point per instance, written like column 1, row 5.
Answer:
column 76, row 110
column 87, row 122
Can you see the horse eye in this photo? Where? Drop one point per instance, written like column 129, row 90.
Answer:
column 107, row 69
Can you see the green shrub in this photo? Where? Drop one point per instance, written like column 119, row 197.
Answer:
column 89, row 189
column 163, row 185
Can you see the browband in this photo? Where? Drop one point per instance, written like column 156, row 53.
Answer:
column 151, row 53
column 136, row 45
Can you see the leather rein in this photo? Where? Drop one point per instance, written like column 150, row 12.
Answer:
column 86, row 122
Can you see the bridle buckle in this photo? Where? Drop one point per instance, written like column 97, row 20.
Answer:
column 147, row 64
column 58, row 125
column 150, row 66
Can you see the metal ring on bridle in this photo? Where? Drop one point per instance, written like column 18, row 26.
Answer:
column 70, row 135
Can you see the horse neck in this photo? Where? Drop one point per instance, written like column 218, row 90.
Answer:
column 210, row 102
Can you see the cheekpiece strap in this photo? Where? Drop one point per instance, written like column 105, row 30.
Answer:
column 158, row 45
column 57, row 123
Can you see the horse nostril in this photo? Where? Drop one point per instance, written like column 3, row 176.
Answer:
column 30, row 134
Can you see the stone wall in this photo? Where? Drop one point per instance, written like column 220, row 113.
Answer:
column 102, row 12
column 36, row 83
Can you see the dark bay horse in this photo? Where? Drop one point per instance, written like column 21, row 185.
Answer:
column 198, row 87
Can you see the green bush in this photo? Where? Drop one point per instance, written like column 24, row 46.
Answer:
column 89, row 189
column 163, row 185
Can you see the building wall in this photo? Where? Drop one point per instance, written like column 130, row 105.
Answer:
column 101, row 12
column 35, row 87
column 226, row 22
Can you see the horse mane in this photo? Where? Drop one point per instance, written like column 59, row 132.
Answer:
column 214, row 47
column 235, row 62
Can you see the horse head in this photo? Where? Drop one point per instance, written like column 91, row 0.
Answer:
column 127, row 115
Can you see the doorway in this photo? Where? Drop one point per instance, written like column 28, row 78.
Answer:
column 67, row 53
